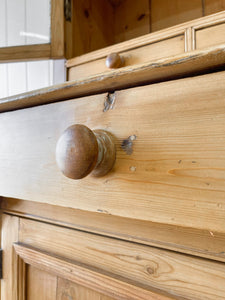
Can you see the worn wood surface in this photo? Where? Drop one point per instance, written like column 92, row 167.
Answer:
column 180, row 275
column 168, row 68
column 167, row 176
column 88, row 277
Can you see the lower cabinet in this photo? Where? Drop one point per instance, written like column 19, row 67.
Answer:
column 47, row 261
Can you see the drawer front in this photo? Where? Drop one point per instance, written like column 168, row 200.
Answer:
column 161, row 49
column 170, row 161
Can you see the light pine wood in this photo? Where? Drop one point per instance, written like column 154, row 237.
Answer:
column 57, row 28
column 180, row 275
column 19, row 53
column 211, row 36
column 166, row 13
column 149, row 39
column 132, row 19
column 70, row 290
column 168, row 178
column 211, row 7
column 92, row 26
column 168, row 68
column 149, row 53
column 92, row 279
column 40, row 284
column 10, row 231
column 196, row 242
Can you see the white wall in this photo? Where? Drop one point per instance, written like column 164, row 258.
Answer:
column 21, row 77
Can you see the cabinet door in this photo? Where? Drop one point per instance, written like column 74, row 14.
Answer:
column 32, row 273
column 31, row 29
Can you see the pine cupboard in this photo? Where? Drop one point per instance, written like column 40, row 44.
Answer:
column 112, row 184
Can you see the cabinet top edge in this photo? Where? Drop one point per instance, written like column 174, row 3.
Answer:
column 186, row 64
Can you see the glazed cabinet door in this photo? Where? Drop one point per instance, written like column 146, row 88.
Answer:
column 34, row 268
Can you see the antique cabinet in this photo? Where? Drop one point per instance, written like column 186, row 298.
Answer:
column 153, row 226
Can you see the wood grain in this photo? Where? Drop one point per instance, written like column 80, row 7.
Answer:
column 9, row 287
column 70, row 290
column 57, row 28
column 169, row 178
column 211, row 7
column 166, row 13
column 210, row 36
column 40, row 284
column 196, row 242
column 92, row 26
column 148, row 39
column 181, row 275
column 149, row 53
column 198, row 61
column 132, row 19
column 89, row 278
column 28, row 52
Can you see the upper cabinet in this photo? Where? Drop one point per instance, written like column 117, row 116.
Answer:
column 70, row 28
column 95, row 24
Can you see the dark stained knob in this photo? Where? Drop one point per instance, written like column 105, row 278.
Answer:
column 114, row 60
column 81, row 151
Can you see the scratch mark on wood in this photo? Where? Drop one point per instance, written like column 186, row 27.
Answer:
column 109, row 101
column 127, row 144
column 103, row 211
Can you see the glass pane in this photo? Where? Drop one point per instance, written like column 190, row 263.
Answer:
column 24, row 22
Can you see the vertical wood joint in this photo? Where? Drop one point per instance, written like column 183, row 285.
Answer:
column 68, row 10
column 1, row 273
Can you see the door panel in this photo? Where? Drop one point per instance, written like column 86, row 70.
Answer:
column 68, row 290
column 40, row 284
column 33, row 274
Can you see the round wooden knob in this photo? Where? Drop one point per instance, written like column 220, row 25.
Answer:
column 80, row 151
column 114, row 60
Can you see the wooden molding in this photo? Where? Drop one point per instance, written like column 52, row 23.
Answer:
column 184, row 240
column 178, row 66
column 57, row 29
column 27, row 52
column 91, row 279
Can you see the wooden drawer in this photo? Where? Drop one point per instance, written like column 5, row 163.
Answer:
column 170, row 153
column 139, row 55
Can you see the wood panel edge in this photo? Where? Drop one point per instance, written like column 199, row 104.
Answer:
column 57, row 29
column 170, row 237
column 27, row 52
column 186, row 64
column 82, row 275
